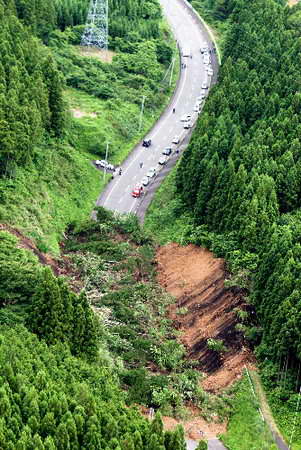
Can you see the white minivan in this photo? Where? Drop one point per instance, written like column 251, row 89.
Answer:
column 186, row 52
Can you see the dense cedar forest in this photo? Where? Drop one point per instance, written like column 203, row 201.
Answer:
column 240, row 177
column 62, row 363
column 61, row 367
column 69, row 373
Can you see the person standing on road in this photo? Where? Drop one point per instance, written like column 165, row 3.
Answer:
column 141, row 165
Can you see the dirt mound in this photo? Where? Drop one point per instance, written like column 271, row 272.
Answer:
column 61, row 267
column 196, row 428
column 204, row 309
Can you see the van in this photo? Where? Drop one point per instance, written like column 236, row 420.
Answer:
column 186, row 52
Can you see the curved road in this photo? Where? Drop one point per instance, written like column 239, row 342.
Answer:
column 189, row 34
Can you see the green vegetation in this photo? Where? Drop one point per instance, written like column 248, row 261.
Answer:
column 51, row 400
column 46, row 177
column 236, row 189
column 246, row 429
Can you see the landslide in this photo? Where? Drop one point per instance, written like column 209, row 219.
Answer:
column 204, row 308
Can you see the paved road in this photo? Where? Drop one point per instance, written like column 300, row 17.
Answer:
column 189, row 34
column 213, row 444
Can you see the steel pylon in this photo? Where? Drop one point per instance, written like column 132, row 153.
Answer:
column 96, row 31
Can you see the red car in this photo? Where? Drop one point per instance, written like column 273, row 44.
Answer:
column 137, row 191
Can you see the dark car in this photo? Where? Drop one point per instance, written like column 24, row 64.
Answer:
column 167, row 151
column 147, row 143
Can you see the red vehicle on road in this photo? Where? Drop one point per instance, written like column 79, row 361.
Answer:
column 137, row 191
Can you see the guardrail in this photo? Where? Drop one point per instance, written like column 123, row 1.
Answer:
column 196, row 14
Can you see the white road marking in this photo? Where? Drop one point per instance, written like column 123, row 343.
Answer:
column 184, row 38
column 132, row 206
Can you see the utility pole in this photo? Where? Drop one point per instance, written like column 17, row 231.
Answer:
column 105, row 169
column 97, row 25
column 141, row 112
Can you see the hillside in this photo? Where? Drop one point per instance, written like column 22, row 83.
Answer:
column 236, row 190
column 47, row 179
column 104, row 322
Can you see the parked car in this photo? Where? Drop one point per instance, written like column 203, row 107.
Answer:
column 204, row 49
column 186, row 52
column 185, row 118
column 137, row 191
column 151, row 173
column 204, row 85
column 196, row 108
column 147, row 142
column 176, row 140
column 203, row 93
column 163, row 160
column 167, row 151
column 209, row 71
column 101, row 163
column 187, row 125
column 110, row 167
column 145, row 181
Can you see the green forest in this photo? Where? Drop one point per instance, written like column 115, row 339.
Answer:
column 236, row 190
column 81, row 326
column 70, row 374
column 44, row 74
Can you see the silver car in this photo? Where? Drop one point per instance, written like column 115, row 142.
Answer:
column 145, row 181
column 151, row 173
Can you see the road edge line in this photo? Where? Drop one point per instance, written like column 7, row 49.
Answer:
column 188, row 5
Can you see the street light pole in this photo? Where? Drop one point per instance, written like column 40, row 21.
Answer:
column 141, row 113
column 105, row 171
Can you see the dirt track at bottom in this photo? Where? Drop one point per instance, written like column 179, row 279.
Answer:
column 204, row 309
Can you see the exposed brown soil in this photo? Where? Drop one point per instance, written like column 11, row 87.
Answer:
column 196, row 428
column 61, row 267
column 103, row 55
column 292, row 2
column 204, row 309
column 78, row 114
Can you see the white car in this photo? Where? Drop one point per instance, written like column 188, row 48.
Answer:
column 176, row 140
column 206, row 60
column 209, row 71
column 204, row 85
column 151, row 173
column 203, row 93
column 101, row 163
column 196, row 108
column 145, row 181
column 163, row 160
column 187, row 125
column 185, row 118
column 110, row 167
column 200, row 99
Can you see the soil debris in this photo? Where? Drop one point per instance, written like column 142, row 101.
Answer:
column 60, row 267
column 203, row 310
column 78, row 114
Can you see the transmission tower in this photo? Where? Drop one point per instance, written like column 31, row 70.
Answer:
column 96, row 31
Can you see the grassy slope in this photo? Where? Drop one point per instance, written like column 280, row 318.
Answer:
column 43, row 197
column 246, row 429
column 62, row 185
column 164, row 218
